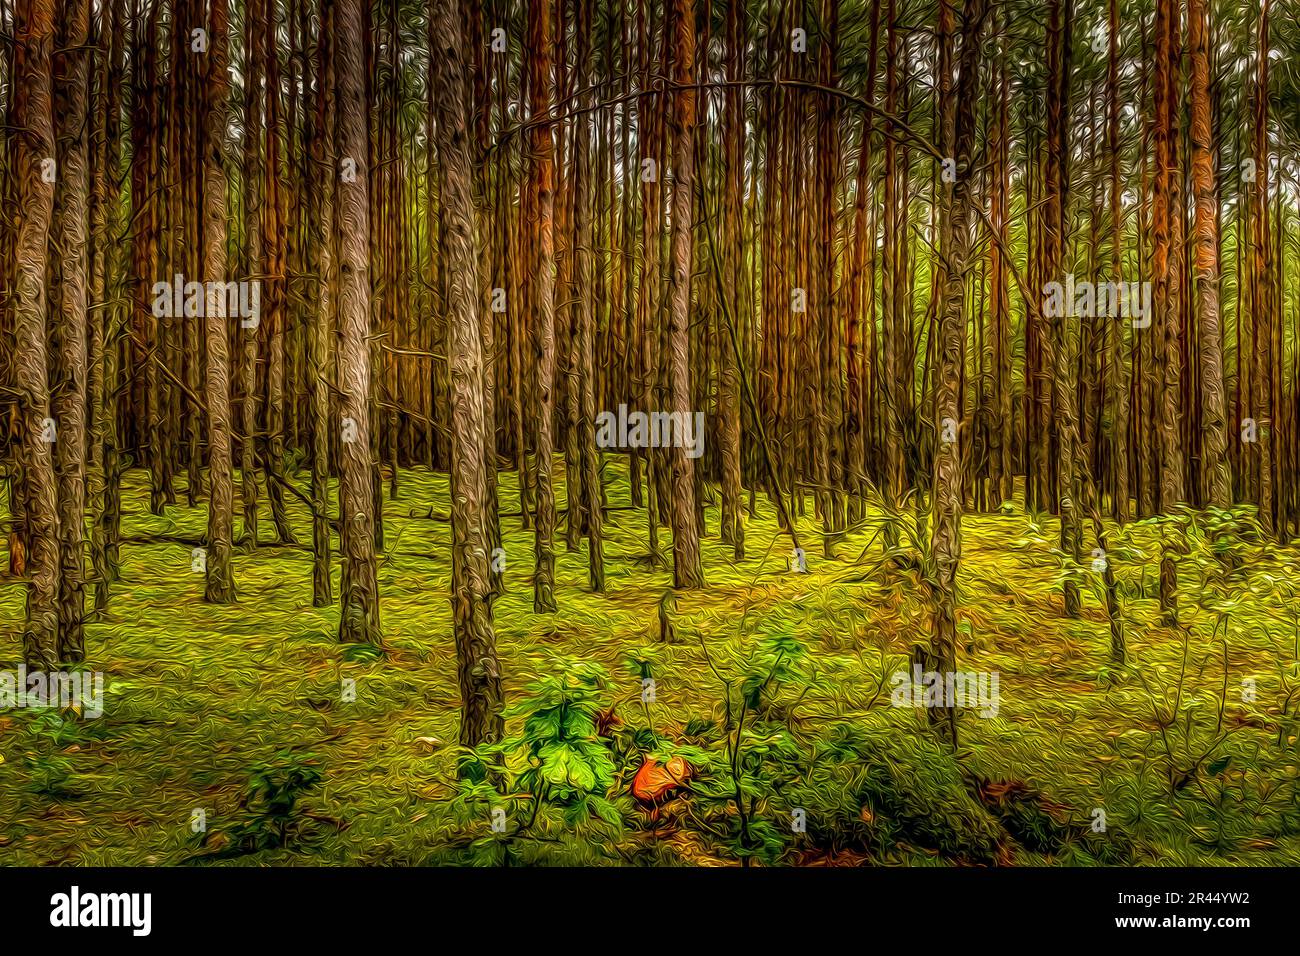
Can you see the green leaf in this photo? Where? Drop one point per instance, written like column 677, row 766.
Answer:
column 544, row 725
column 563, row 765
column 605, row 810
column 579, row 723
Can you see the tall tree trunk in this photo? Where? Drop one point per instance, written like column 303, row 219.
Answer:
column 71, row 89
column 1003, row 428
column 955, row 232
column 220, row 587
column 359, row 586
column 1166, row 211
column 1119, row 397
column 892, row 416
column 102, row 385
column 542, row 297
column 583, row 351
column 733, row 527
column 322, row 322
column 687, row 572
column 476, row 655
column 1216, row 488
column 1261, row 299
column 253, row 237
column 35, row 162
column 274, row 227
column 1057, row 176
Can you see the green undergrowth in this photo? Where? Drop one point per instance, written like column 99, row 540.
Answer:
column 229, row 734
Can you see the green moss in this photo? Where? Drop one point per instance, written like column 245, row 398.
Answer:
column 200, row 696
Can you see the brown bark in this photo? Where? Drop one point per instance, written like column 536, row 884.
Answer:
column 892, row 309
column 1119, row 396
column 650, row 156
column 248, row 337
column 1216, row 487
column 1003, row 427
column 1166, row 219
column 274, row 224
column 359, row 587
column 542, row 299
column 71, row 89
column 1057, row 181
column 220, row 584
column 1261, row 282
column 583, row 352
column 322, row 321
column 477, row 665
column 955, row 233
column 687, row 572
column 103, row 485
column 1166, row 209
column 733, row 527
column 34, row 148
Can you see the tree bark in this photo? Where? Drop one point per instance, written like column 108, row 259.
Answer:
column 34, row 152
column 1119, row 395
column 476, row 655
column 220, row 584
column 1058, row 177
column 583, row 351
column 956, row 236
column 542, row 299
column 733, row 525
column 1216, row 487
column 323, row 315
column 71, row 89
column 359, row 587
column 687, row 571
column 253, row 235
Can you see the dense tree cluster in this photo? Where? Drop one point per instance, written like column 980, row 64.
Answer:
column 926, row 254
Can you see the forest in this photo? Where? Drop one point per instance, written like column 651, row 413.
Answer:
column 650, row 432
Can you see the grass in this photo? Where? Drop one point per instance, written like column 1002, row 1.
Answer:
column 201, row 698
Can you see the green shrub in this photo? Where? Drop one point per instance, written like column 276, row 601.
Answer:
column 543, row 796
column 877, row 787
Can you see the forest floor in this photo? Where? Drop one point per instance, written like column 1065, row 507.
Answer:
column 204, row 704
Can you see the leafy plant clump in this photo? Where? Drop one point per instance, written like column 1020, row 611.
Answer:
column 523, row 799
column 270, row 816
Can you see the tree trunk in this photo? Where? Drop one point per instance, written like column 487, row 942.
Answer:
column 253, row 235
column 102, row 385
column 583, row 351
column 955, row 232
column 1216, row 488
column 542, row 298
column 322, row 326
column 1261, row 299
column 34, row 154
column 274, row 226
column 687, row 572
column 220, row 587
column 359, row 587
column 733, row 525
column 1057, row 175
column 71, row 89
column 1119, row 396
column 476, row 655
